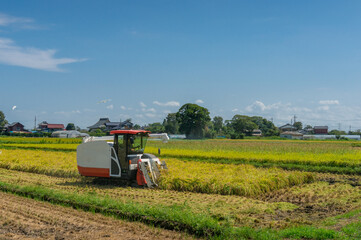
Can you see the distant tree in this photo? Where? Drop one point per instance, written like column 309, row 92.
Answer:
column 267, row 127
column 170, row 123
column 136, row 126
column 2, row 121
column 97, row 132
column 298, row 125
column 336, row 132
column 192, row 120
column 217, row 124
column 155, row 127
column 242, row 124
column 70, row 126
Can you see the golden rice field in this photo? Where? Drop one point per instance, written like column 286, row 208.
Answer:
column 319, row 156
column 233, row 189
column 243, row 180
column 304, row 152
column 38, row 140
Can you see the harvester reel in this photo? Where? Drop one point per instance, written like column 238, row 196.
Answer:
column 150, row 170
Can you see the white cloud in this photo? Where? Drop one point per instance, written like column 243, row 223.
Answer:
column 324, row 108
column 235, row 110
column 7, row 20
column 14, row 55
column 167, row 104
column 142, row 104
column 123, row 108
column 111, row 106
column 329, row 102
column 199, row 101
column 260, row 106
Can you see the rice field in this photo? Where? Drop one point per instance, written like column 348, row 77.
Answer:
column 317, row 156
column 235, row 189
column 243, row 180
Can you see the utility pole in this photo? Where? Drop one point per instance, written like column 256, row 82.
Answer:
column 339, row 126
column 294, row 119
column 35, row 123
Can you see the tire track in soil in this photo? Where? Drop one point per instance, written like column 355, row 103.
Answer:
column 23, row 218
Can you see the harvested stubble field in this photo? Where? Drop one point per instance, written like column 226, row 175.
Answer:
column 204, row 194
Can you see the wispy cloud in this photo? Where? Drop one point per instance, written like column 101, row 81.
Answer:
column 11, row 54
column 142, row 104
column 199, row 101
column 167, row 104
column 329, row 102
column 7, row 20
column 260, row 106
column 111, row 107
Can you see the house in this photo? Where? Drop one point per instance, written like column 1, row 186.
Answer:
column 320, row 129
column 105, row 124
column 14, row 127
column 99, row 125
column 291, row 135
column 257, row 132
column 50, row 127
column 112, row 126
column 287, row 128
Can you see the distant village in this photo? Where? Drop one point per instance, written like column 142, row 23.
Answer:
column 104, row 126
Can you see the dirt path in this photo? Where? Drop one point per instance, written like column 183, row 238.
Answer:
column 23, row 218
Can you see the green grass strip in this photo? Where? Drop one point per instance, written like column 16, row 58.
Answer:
column 173, row 218
column 177, row 217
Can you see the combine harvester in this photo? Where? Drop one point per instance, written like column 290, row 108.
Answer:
column 122, row 158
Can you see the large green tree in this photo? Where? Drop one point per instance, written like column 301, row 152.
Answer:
column 192, row 120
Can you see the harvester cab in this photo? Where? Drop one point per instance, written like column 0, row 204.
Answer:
column 123, row 158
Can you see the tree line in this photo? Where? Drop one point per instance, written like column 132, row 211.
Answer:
column 194, row 121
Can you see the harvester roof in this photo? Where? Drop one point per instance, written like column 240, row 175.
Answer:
column 123, row 132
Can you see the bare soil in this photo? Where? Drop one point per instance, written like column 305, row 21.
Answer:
column 23, row 218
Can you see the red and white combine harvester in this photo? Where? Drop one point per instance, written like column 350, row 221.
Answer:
column 122, row 158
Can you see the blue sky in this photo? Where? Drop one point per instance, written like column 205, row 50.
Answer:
column 59, row 60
